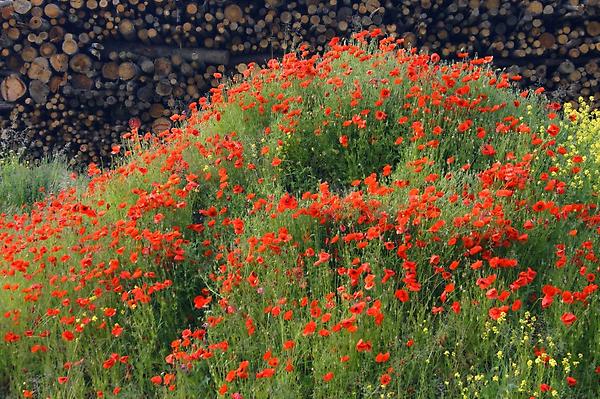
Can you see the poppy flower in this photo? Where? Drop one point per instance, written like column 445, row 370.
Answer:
column 402, row 295
column 287, row 345
column 117, row 330
column 266, row 373
column 309, row 328
column 110, row 312
column 539, row 206
column 385, row 379
column 363, row 346
column 156, row 380
column 344, row 140
column 380, row 115
column 545, row 387
column 456, row 307
column 568, row 318
column 382, row 357
column 68, row 335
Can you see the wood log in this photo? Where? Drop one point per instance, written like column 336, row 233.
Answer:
column 56, row 82
column 21, row 6
column 12, row 88
column 162, row 67
column 53, row 10
column 69, row 46
column 59, row 62
column 40, row 69
column 110, row 71
column 160, row 125
column 81, row 82
column 127, row 29
column 47, row 49
column 81, row 63
column 233, row 13
column 128, row 70
column 38, row 91
column 29, row 53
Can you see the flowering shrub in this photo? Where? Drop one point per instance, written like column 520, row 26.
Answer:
column 371, row 222
column 584, row 145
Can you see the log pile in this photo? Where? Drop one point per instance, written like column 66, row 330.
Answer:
column 75, row 72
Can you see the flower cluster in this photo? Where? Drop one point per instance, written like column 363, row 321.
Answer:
column 369, row 222
column 584, row 144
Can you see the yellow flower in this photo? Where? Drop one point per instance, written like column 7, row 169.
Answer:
column 584, row 142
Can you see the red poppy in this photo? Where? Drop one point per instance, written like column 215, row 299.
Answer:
column 68, row 335
column 385, row 379
column 110, row 312
column 363, row 346
column 309, row 328
column 117, row 330
column 382, row 357
column 287, row 345
column 344, row 140
column 545, row 387
column 568, row 318
column 156, row 380
column 402, row 295
column 456, row 307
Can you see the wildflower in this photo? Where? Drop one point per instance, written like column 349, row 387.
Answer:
column 344, row 140
column 117, row 330
column 309, row 328
column 156, row 380
column 385, row 379
column 568, row 318
column 382, row 357
column 545, row 387
column 68, row 335
column 402, row 295
column 363, row 346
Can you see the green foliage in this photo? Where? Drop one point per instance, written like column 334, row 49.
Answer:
column 23, row 183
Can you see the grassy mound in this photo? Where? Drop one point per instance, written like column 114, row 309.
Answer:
column 371, row 222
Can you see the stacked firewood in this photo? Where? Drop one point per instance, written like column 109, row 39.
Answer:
column 77, row 73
